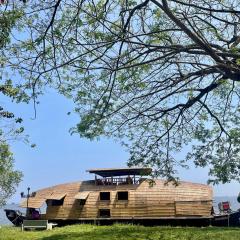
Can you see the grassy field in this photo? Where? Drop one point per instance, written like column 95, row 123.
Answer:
column 121, row 232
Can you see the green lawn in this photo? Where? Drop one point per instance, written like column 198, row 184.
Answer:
column 121, row 232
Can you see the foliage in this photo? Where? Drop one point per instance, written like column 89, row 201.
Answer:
column 159, row 75
column 10, row 125
column 90, row 232
column 9, row 178
column 8, row 20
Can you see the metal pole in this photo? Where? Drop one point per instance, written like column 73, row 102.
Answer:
column 28, row 189
column 228, row 219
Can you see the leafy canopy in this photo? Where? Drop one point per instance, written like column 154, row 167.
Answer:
column 9, row 178
column 157, row 74
column 10, row 125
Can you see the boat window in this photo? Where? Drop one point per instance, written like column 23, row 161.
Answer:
column 104, row 213
column 82, row 201
column 55, row 202
column 104, row 195
column 122, row 195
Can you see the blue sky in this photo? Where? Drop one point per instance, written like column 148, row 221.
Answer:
column 60, row 157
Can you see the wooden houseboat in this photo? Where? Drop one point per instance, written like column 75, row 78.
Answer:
column 124, row 194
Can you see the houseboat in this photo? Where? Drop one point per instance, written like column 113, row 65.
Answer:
column 123, row 195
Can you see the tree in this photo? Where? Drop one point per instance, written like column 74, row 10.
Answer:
column 9, row 178
column 157, row 74
column 10, row 125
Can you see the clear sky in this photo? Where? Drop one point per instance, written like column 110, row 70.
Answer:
column 60, row 157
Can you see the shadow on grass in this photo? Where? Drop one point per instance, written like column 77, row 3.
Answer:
column 141, row 233
column 108, row 234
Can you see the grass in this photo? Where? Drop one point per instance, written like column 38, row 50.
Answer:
column 121, row 232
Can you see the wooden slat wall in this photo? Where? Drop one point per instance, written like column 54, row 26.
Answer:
column 160, row 200
column 197, row 208
column 33, row 203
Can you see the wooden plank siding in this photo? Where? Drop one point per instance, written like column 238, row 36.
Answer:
column 144, row 201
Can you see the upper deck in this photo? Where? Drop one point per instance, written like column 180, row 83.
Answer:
column 119, row 176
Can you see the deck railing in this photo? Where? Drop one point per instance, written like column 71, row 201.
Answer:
column 118, row 180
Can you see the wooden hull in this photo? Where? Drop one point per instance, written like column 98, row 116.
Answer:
column 145, row 201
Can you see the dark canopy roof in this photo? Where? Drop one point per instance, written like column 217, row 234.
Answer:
column 111, row 172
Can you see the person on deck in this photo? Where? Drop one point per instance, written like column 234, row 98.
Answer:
column 129, row 180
